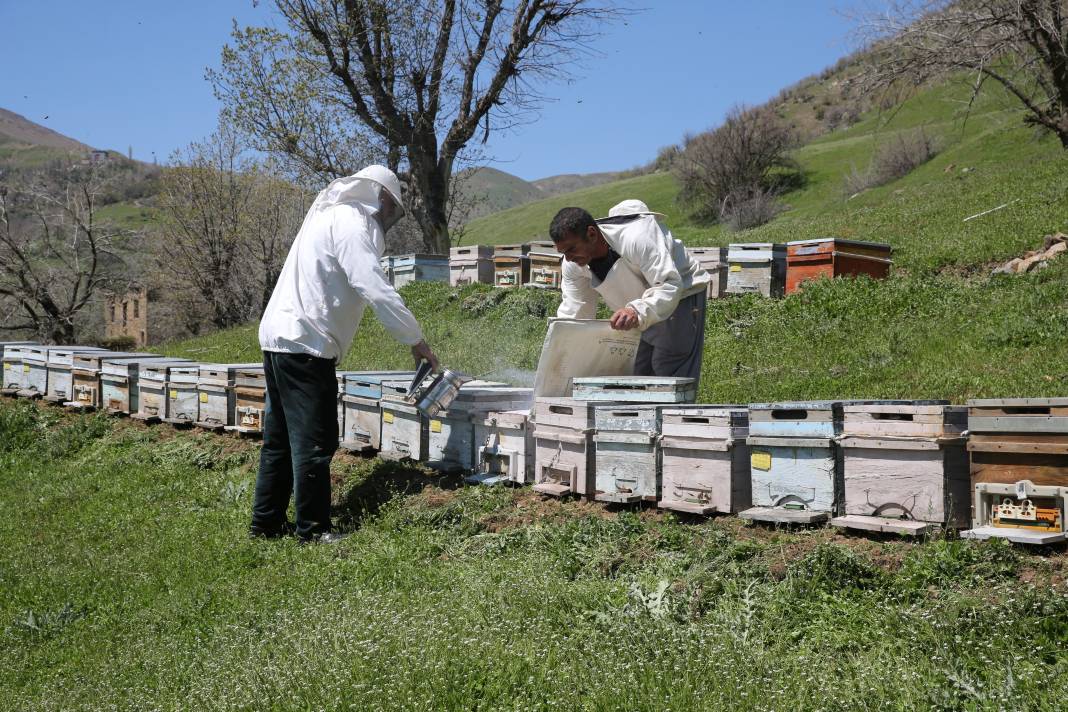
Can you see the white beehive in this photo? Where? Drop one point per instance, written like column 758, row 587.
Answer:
column 86, row 368
column 215, row 393
column 60, row 378
column 563, row 441
column 705, row 459
column 119, row 382
column 625, row 452
column 404, row 430
column 451, row 434
column 504, row 448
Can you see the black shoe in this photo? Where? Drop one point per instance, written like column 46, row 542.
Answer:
column 324, row 538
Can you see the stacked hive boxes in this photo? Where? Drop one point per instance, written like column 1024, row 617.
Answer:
column 6, row 373
column 545, row 265
column 714, row 261
column 705, row 459
column 35, row 367
column 563, row 441
column 505, row 448
column 250, row 400
column 362, row 431
column 15, row 369
column 834, row 257
column 86, row 372
column 215, row 393
column 471, row 265
column 1019, row 469
column 119, row 389
column 905, row 467
column 511, row 268
column 451, row 433
column 60, row 380
column 419, row 268
column 756, row 268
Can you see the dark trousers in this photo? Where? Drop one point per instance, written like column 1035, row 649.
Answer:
column 299, row 439
column 675, row 346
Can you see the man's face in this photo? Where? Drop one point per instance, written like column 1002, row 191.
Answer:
column 579, row 248
column 388, row 212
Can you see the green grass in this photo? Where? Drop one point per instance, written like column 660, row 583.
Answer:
column 128, row 583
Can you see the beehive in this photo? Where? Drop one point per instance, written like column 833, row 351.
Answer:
column 1016, row 440
column 119, row 382
column 1021, row 512
column 86, row 369
column 756, row 268
column 404, row 430
column 714, row 261
column 705, row 459
column 34, row 371
column 250, row 400
column 215, row 393
column 471, row 265
column 795, row 464
column 563, row 440
column 420, row 268
column 362, row 426
column 451, row 434
column 183, row 401
column 504, row 445
column 152, row 392
column 4, row 345
column 834, row 257
column 625, row 452
column 511, row 268
column 545, row 265
column 14, row 369
column 905, row 467
column 386, row 263
column 341, row 376
column 60, row 379
column 635, row 389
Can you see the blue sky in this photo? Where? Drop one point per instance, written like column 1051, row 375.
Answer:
column 118, row 73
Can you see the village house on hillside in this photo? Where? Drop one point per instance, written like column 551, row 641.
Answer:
column 126, row 315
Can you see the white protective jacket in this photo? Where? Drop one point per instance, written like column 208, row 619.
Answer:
column 653, row 272
column 331, row 274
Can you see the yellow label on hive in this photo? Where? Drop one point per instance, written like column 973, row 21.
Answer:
column 736, row 268
column 760, row 459
column 435, row 426
column 203, row 397
column 387, row 417
column 7, row 366
column 174, row 395
column 25, row 368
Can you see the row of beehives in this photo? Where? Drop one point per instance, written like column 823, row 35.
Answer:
column 898, row 466
column 763, row 268
column 532, row 264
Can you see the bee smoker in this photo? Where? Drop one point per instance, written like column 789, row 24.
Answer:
column 432, row 397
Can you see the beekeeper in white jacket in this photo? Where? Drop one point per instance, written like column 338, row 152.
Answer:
column 646, row 278
column 331, row 274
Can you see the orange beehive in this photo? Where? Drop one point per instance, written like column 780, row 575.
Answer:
column 834, row 257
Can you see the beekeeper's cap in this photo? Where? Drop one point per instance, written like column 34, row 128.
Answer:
column 385, row 178
column 630, row 207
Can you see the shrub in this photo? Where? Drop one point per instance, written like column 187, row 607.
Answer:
column 750, row 209
column 894, row 159
column 748, row 152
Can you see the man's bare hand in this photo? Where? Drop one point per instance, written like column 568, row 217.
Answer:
column 421, row 351
column 624, row 319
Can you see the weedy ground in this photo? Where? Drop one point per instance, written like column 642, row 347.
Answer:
column 129, row 583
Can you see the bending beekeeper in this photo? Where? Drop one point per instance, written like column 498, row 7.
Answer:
column 331, row 274
column 646, row 278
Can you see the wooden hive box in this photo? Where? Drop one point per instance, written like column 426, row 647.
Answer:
column 905, row 468
column 625, row 454
column 795, row 464
column 60, row 377
column 420, row 268
column 471, row 265
column 505, row 448
column 404, row 430
column 34, row 371
column 4, row 376
column 386, row 263
column 152, row 392
column 635, row 389
column 451, row 434
column 14, row 369
column 834, row 257
column 372, row 384
column 250, row 400
column 362, row 431
column 183, row 395
column 545, row 265
column 341, row 376
column 86, row 368
column 215, row 394
column 714, row 261
column 1015, row 440
column 756, row 267
column 511, row 268
column 705, row 459
column 1021, row 512
column 563, row 447
column 119, row 383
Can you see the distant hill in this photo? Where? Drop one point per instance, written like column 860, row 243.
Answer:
column 569, row 182
column 15, row 128
column 491, row 190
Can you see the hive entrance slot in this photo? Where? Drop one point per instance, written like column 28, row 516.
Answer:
column 1026, row 410
column 690, row 419
column 893, row 416
column 561, row 409
column 789, row 414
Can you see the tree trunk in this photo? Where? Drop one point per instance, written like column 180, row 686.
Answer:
column 431, row 181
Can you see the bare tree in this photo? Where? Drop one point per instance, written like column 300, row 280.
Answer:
column 1020, row 44
column 743, row 162
column 227, row 228
column 408, row 82
column 56, row 254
